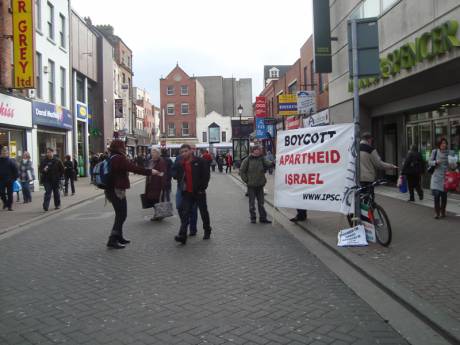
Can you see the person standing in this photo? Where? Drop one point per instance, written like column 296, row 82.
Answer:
column 220, row 163
column 155, row 185
column 413, row 168
column 194, row 174
column 51, row 170
column 440, row 161
column 69, row 175
column 120, row 167
column 213, row 163
column 229, row 163
column 252, row 173
column 166, row 195
column 8, row 174
column 75, row 167
column 26, row 175
column 92, row 163
column 300, row 216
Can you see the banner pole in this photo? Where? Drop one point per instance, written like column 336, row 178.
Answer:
column 356, row 115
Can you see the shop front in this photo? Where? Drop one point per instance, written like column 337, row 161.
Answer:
column 53, row 126
column 15, row 125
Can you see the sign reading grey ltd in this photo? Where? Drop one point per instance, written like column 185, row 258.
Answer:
column 322, row 37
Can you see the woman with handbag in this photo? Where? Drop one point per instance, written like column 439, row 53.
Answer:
column 155, row 185
column 120, row 167
column 438, row 166
column 26, row 175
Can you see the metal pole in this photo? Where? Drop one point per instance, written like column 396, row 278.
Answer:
column 356, row 117
column 240, row 142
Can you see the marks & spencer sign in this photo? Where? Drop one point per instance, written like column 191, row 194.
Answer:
column 431, row 44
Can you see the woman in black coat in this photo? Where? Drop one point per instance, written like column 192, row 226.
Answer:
column 413, row 168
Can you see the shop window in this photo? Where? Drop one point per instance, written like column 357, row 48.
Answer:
column 455, row 135
column 50, row 21
column 51, row 82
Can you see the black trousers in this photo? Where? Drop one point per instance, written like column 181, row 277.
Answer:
column 257, row 193
column 120, row 206
column 51, row 187
column 6, row 193
column 228, row 169
column 413, row 183
column 66, row 184
column 186, row 208
column 440, row 200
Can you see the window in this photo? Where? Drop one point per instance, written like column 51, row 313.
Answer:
column 320, row 82
column 224, row 137
column 386, row 4
column 63, row 88
column 305, row 77
column 80, row 89
column 62, row 31
column 274, row 73
column 170, row 90
column 51, row 82
column 184, row 109
column 171, row 109
column 123, row 77
column 171, row 130
column 372, row 8
column 184, row 90
column 312, row 76
column 38, row 14
column 292, row 89
column 185, row 132
column 38, row 75
column 205, row 137
column 50, row 21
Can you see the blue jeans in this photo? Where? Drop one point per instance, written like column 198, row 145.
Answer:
column 193, row 215
column 27, row 196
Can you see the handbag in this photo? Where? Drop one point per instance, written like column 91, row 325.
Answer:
column 431, row 168
column 451, row 181
column 163, row 210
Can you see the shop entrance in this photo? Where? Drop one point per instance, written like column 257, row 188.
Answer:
column 390, row 145
column 14, row 140
column 54, row 140
column 81, row 149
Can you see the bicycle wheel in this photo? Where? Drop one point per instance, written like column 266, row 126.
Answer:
column 382, row 226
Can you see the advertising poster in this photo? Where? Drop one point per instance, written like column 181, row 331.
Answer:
column 315, row 168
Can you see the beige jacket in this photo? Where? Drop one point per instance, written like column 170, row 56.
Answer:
column 370, row 162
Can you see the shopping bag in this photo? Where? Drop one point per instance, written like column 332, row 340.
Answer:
column 353, row 237
column 402, row 184
column 451, row 181
column 146, row 203
column 163, row 210
column 17, row 186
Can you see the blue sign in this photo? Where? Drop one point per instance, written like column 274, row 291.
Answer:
column 261, row 128
column 51, row 115
column 82, row 111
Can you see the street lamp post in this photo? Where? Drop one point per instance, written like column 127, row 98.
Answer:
column 240, row 112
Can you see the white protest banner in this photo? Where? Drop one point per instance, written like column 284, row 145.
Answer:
column 353, row 237
column 315, row 168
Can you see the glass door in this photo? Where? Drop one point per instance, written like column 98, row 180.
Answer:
column 441, row 130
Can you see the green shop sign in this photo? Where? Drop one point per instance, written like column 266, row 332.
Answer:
column 427, row 47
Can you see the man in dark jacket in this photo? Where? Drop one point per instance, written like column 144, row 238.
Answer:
column 413, row 168
column 194, row 174
column 51, row 170
column 8, row 174
column 252, row 173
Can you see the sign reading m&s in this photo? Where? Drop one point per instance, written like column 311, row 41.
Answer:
column 23, row 44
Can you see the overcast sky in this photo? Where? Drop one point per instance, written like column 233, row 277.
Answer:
column 206, row 37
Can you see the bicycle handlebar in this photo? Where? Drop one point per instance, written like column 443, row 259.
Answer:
column 373, row 184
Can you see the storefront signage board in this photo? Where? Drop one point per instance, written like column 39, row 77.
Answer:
column 15, row 111
column 47, row 114
column 287, row 105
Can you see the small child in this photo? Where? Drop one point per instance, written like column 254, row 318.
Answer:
column 16, row 189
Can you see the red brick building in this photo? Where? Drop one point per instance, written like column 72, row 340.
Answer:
column 182, row 100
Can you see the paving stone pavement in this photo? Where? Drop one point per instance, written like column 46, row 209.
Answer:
column 423, row 256
column 250, row 284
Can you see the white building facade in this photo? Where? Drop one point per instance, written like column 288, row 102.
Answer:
column 214, row 129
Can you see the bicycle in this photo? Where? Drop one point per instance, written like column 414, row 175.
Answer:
column 377, row 214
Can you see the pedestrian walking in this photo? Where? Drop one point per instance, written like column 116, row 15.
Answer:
column 155, row 184
column 220, row 163
column 75, row 167
column 413, row 168
column 195, row 175
column 120, row 167
column 229, row 163
column 51, row 171
column 26, row 176
column 166, row 195
column 69, row 175
column 439, row 161
column 92, row 163
column 213, row 163
column 252, row 172
column 8, row 174
column 177, row 174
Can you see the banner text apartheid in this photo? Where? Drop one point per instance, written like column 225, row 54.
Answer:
column 319, row 157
